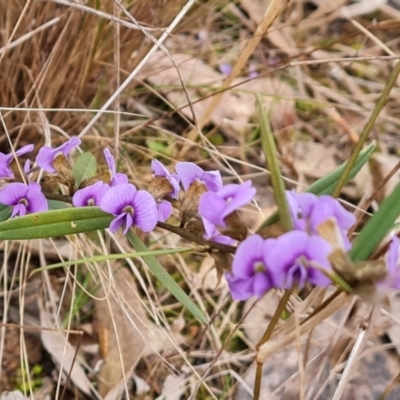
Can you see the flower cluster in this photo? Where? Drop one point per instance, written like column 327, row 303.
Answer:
column 304, row 256
column 112, row 192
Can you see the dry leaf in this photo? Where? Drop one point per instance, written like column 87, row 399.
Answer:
column 237, row 106
column 61, row 351
column 122, row 309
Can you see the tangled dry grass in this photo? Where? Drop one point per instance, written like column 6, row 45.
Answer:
column 320, row 68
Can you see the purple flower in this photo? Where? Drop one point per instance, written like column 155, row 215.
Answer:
column 116, row 178
column 213, row 234
column 216, row 206
column 225, row 68
column 160, row 170
column 250, row 275
column 164, row 208
column 6, row 159
column 392, row 279
column 131, row 207
column 90, row 195
column 189, row 173
column 296, row 258
column 309, row 211
column 26, row 199
column 47, row 155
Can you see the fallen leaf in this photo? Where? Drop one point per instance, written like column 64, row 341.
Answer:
column 237, row 106
column 61, row 351
column 123, row 329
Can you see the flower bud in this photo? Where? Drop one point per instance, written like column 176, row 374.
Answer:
column 190, row 202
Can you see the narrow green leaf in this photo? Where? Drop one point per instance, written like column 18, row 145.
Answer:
column 84, row 167
column 57, row 204
column 137, row 254
column 5, row 212
column 165, row 278
column 269, row 148
column 54, row 223
column 377, row 227
column 326, row 184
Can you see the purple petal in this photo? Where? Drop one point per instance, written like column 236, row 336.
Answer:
column 5, row 160
column 19, row 210
column 164, row 210
column 5, row 170
column 37, row 201
column 24, row 149
column 119, row 179
column 300, row 206
column 188, row 173
column 47, row 155
column 284, row 254
column 128, row 222
column 116, row 223
column 117, row 198
column 225, row 68
column 160, row 170
column 90, row 195
column 213, row 234
column 145, row 211
column 240, row 289
column 12, row 193
column 212, row 180
column 261, row 284
column 327, row 207
column 110, row 161
column 249, row 252
column 212, row 207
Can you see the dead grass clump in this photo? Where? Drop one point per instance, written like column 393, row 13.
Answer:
column 67, row 61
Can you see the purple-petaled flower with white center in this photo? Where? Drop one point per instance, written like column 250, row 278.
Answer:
column 116, row 178
column 47, row 155
column 164, row 208
column 309, row 211
column 90, row 195
column 250, row 275
column 296, row 258
column 216, row 206
column 213, row 234
column 130, row 207
column 6, row 159
column 189, row 173
column 392, row 279
column 26, row 199
column 173, row 178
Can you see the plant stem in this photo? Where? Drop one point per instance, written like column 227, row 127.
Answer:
column 266, row 336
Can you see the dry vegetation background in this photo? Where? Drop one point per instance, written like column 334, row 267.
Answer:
column 66, row 333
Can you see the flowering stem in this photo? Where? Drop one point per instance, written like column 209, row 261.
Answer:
column 367, row 128
column 197, row 239
column 266, row 336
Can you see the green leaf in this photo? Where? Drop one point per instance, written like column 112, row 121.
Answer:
column 165, row 278
column 121, row 256
column 377, row 227
column 269, row 148
column 327, row 184
column 55, row 223
column 57, row 204
column 5, row 212
column 84, row 167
